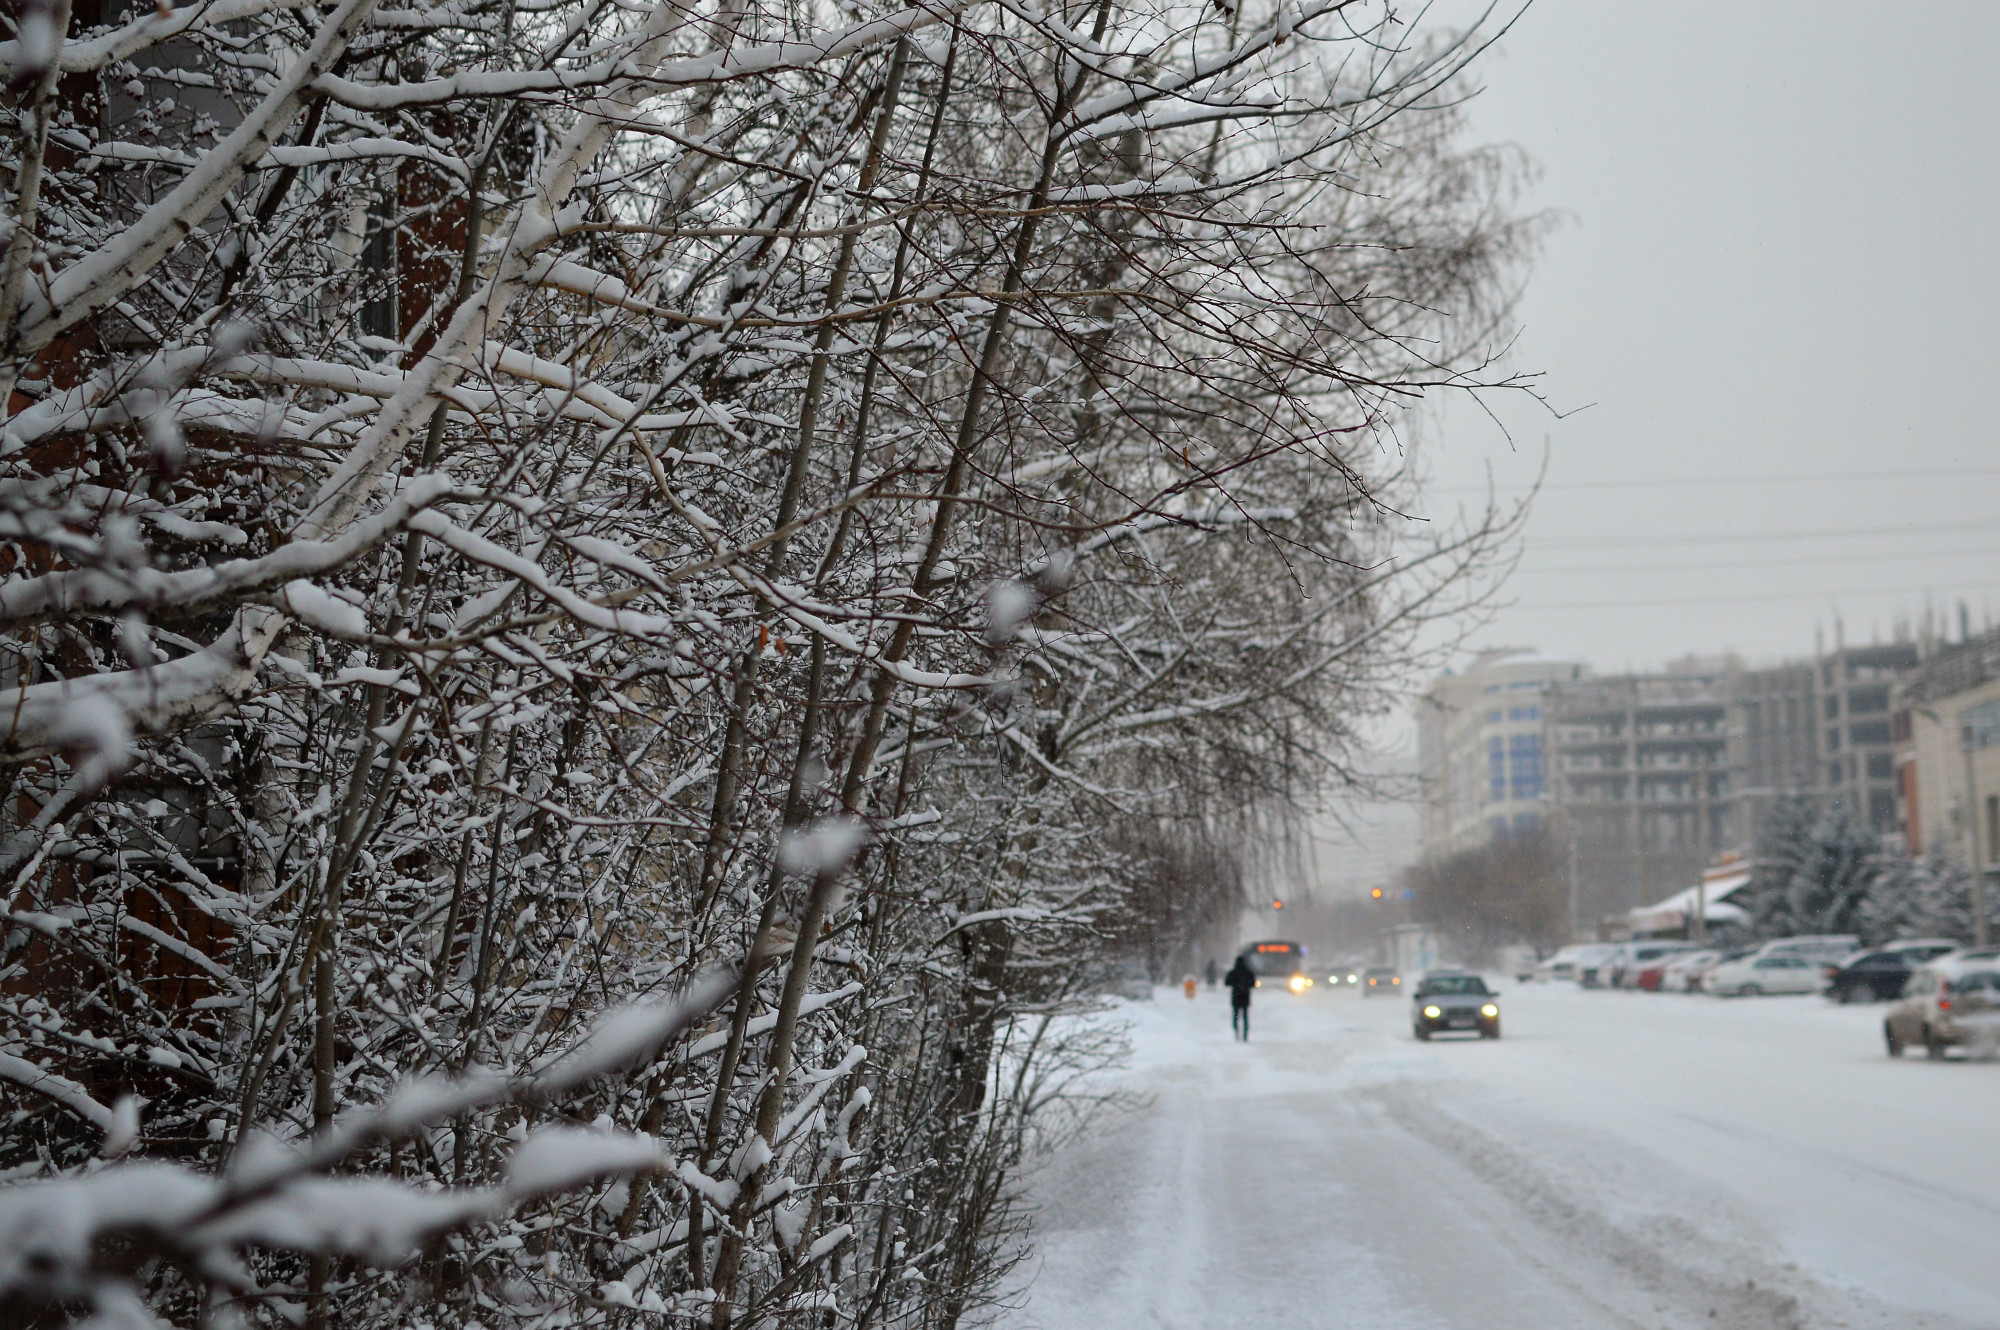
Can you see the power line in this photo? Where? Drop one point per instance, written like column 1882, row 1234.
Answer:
column 1694, row 482
column 1745, row 538
column 1814, row 562
column 1750, row 598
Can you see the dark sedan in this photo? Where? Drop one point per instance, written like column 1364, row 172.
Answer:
column 1872, row 976
column 1454, row 1001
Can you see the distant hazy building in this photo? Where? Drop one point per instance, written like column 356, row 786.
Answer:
column 1645, row 779
column 1947, row 726
column 1641, row 781
column 1480, row 749
column 1773, row 742
column 1856, row 741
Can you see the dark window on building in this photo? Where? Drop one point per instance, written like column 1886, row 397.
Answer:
column 1869, row 732
column 1524, row 756
column 1881, row 766
column 1882, row 810
column 1867, row 701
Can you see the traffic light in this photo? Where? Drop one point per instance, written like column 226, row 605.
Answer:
column 1376, row 893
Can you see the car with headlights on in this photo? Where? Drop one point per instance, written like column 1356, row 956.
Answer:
column 1380, row 979
column 1454, row 1000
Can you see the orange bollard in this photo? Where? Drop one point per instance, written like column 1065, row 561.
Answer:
column 1187, row 987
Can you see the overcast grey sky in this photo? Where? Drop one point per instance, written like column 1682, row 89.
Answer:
column 1779, row 277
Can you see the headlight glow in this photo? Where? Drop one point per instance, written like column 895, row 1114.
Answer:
column 1300, row 983
column 1350, row 978
column 1433, row 1012
column 1489, row 1010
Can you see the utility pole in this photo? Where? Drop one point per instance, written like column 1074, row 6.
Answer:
column 1965, row 737
column 1575, row 924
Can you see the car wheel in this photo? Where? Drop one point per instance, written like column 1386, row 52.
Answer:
column 1933, row 1046
column 1845, row 996
column 1491, row 1032
column 1889, row 1038
column 1750, row 990
column 1420, row 1032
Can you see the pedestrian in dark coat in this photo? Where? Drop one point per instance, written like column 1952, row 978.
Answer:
column 1241, row 979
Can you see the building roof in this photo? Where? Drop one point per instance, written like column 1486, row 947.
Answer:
column 1673, row 912
column 1956, row 669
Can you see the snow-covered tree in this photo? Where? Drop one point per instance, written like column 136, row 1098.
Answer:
column 1815, row 870
column 586, row 584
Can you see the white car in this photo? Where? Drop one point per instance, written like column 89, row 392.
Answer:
column 1754, row 975
column 1683, row 972
column 1565, row 963
column 1825, row 947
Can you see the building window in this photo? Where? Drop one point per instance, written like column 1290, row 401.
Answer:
column 1493, row 717
column 1496, row 761
column 1869, row 731
column 1982, row 723
column 1527, row 822
column 1524, row 713
column 1524, row 759
column 1992, row 827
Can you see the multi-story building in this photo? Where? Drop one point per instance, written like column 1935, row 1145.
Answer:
column 1947, row 727
column 1640, row 780
column 1856, row 741
column 1773, row 742
column 1646, row 778
column 1479, row 749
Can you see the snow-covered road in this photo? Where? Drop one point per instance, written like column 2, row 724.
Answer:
column 1618, row 1160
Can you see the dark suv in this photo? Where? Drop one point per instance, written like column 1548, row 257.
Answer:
column 1873, row 976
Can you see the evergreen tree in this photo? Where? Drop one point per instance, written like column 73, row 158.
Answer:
column 1909, row 897
column 1815, row 870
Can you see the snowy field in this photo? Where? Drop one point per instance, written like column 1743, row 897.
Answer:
column 1617, row 1160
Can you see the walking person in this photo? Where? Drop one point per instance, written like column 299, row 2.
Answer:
column 1209, row 972
column 1240, row 979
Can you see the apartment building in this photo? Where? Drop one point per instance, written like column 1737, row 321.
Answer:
column 1773, row 742
column 1946, row 723
column 1640, row 780
column 1856, row 738
column 1480, row 749
column 1644, row 779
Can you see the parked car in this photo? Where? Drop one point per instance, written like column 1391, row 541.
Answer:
column 1678, row 974
column 1698, row 974
column 1380, row 979
column 1921, row 949
column 1624, row 968
column 1870, row 976
column 1949, row 1001
column 1755, row 974
column 1569, row 962
column 1823, row 947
